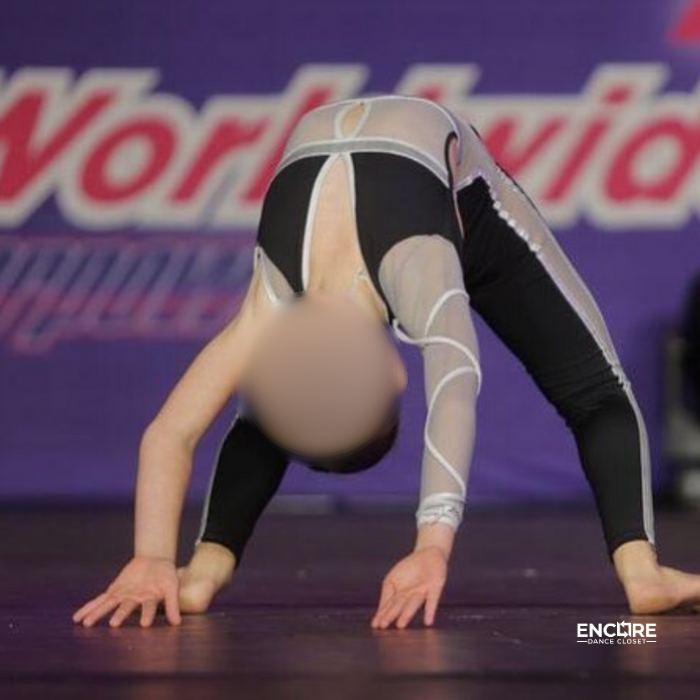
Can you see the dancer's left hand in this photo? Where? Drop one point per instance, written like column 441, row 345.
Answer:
column 415, row 582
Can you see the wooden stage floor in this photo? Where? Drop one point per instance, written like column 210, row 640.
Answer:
column 295, row 624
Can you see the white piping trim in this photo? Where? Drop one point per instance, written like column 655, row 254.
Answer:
column 368, row 144
column 440, row 302
column 310, row 217
column 647, row 493
column 426, row 432
column 427, row 340
column 350, row 169
column 264, row 276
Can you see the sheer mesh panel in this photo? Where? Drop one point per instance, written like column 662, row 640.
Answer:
column 422, row 279
column 413, row 127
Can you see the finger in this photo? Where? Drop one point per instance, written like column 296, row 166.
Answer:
column 123, row 611
column 388, row 606
column 392, row 611
column 393, row 596
column 78, row 615
column 431, row 605
column 411, row 607
column 388, row 591
column 100, row 611
column 148, row 612
column 172, row 605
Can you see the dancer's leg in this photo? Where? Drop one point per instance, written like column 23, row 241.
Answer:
column 524, row 287
column 248, row 472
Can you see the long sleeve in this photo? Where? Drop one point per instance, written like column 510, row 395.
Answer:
column 422, row 280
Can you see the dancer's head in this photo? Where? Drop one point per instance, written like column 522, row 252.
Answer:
column 324, row 384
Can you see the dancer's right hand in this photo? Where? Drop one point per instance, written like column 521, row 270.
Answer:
column 144, row 583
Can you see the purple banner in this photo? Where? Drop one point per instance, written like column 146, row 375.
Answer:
column 136, row 143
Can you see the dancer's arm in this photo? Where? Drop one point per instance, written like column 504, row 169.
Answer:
column 165, row 464
column 172, row 437
column 427, row 295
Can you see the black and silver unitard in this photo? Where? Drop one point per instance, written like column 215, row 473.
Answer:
column 436, row 241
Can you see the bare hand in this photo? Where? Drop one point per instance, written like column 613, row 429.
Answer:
column 415, row 582
column 144, row 582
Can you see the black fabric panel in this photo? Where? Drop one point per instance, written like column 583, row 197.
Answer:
column 284, row 214
column 691, row 334
column 397, row 198
column 512, row 291
column 249, row 471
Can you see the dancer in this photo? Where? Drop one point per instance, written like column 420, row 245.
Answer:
column 396, row 204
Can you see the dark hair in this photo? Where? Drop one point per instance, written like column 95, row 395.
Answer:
column 363, row 457
column 357, row 460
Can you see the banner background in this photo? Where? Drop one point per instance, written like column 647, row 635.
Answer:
column 71, row 413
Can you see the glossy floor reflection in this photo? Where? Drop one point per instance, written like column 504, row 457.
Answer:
column 295, row 624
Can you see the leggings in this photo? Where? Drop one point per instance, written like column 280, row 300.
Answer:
column 531, row 297
column 529, row 294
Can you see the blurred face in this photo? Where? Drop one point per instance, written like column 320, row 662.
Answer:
column 324, row 378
